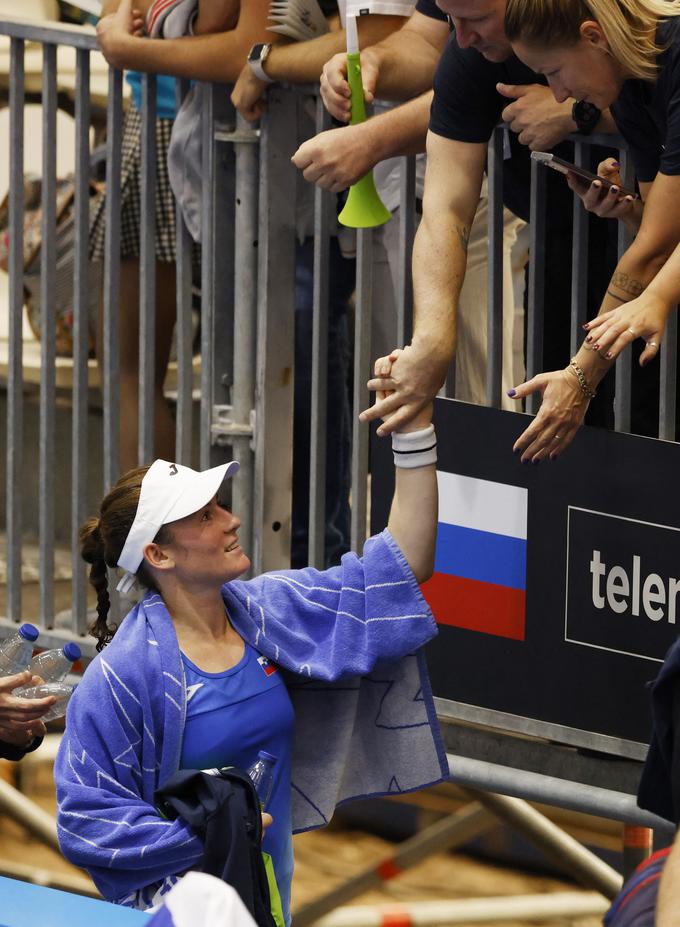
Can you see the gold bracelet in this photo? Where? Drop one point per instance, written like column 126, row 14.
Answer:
column 582, row 382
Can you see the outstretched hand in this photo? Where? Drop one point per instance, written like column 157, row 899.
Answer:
column 562, row 412
column 414, row 378
column 644, row 317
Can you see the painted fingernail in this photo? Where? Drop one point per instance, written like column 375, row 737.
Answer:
column 615, row 164
column 614, row 189
column 525, row 460
column 609, row 355
column 596, row 347
column 585, row 326
column 589, row 339
column 536, row 461
column 512, row 393
column 516, row 450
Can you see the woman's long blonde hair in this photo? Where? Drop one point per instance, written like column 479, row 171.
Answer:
column 629, row 26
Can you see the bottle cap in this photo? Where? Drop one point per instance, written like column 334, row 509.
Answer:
column 72, row 652
column 29, row 632
column 263, row 755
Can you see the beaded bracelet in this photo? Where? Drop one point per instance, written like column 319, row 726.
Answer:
column 582, row 382
column 415, row 448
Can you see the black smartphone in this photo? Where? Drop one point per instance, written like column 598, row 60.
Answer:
column 557, row 164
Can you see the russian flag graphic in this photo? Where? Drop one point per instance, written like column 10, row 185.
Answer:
column 479, row 582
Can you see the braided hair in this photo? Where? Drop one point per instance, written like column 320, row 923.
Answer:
column 101, row 543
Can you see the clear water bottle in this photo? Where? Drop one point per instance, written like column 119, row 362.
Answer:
column 16, row 651
column 62, row 692
column 54, row 665
column 262, row 775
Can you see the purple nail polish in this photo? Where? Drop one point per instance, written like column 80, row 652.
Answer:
column 589, row 339
column 512, row 393
column 536, row 461
column 614, row 189
column 596, row 347
column 609, row 355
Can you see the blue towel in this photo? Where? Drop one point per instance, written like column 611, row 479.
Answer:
column 350, row 639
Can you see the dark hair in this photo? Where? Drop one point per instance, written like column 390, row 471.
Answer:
column 102, row 540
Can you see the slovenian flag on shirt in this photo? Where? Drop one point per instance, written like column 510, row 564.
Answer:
column 479, row 580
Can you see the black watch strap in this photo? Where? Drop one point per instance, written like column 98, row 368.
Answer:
column 586, row 116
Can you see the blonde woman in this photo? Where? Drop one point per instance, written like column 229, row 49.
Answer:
column 622, row 54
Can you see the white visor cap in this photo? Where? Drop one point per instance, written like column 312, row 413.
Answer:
column 169, row 492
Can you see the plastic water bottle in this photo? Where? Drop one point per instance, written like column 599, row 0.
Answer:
column 16, row 651
column 262, row 775
column 62, row 691
column 54, row 665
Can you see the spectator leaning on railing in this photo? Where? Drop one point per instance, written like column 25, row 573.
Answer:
column 476, row 76
column 623, row 54
column 335, row 158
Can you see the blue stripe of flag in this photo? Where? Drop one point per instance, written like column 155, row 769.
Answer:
column 480, row 555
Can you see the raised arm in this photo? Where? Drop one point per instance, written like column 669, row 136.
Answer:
column 453, row 181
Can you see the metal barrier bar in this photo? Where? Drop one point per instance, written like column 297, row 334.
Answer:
column 323, row 214
column 275, row 334
column 184, row 329
column 15, row 400
column 147, row 274
column 407, row 231
column 55, row 33
column 579, row 259
column 622, row 399
column 48, row 327
column 362, row 371
column 494, row 299
column 668, row 377
column 111, row 333
column 245, row 322
column 536, row 294
column 81, row 330
column 207, row 276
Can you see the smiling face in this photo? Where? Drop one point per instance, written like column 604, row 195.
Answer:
column 204, row 551
column 584, row 70
column 479, row 24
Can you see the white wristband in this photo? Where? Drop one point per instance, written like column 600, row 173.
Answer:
column 415, row 448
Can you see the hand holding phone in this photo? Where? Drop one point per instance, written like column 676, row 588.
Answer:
column 566, row 167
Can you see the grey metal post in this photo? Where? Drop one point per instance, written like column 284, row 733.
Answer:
column 362, row 372
column 147, row 275
column 494, row 325
column 48, row 327
column 245, row 323
column 207, row 275
column 579, row 260
column 668, row 379
column 111, row 346
column 41, row 824
column 323, row 214
column 407, row 229
column 275, row 334
column 14, row 494
column 536, row 295
column 81, row 325
column 623, row 364
column 184, row 329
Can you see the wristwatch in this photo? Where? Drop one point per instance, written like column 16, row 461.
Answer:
column 586, row 116
column 256, row 59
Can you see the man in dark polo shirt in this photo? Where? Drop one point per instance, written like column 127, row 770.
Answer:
column 476, row 75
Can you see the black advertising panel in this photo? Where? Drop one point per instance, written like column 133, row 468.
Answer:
column 557, row 586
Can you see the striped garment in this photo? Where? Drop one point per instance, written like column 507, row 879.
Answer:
column 350, row 639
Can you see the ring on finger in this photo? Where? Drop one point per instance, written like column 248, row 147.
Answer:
column 653, row 344
column 632, row 331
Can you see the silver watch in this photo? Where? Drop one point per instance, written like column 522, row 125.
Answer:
column 256, row 59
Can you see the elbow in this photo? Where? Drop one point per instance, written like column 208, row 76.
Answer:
column 424, row 570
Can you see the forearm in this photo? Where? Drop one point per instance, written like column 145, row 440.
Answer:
column 218, row 57
column 302, row 62
column 413, row 516
column 406, row 63
column 215, row 16
column 399, row 131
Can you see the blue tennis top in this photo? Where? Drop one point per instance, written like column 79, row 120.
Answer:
column 166, row 107
column 233, row 715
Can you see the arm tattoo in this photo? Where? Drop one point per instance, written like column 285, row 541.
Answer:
column 463, row 236
column 627, row 284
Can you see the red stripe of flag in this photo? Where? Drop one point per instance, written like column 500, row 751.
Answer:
column 476, row 606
